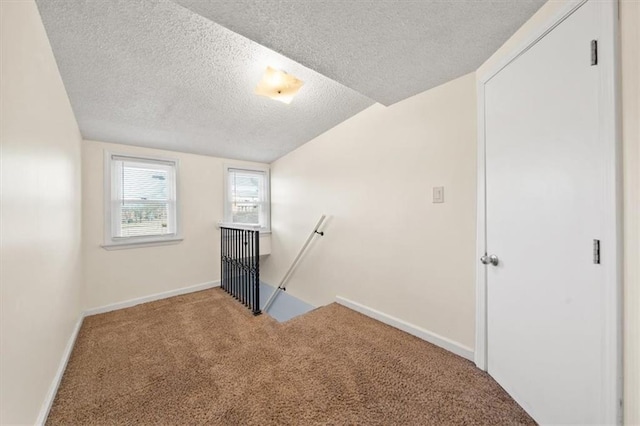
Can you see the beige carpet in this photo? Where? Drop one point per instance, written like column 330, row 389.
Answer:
column 204, row 359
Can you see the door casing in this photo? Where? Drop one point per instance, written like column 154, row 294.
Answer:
column 608, row 59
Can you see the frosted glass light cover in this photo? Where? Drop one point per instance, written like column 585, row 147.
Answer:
column 278, row 85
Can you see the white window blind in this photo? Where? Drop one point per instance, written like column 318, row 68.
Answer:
column 143, row 198
column 247, row 197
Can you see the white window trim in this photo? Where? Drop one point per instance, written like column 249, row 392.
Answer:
column 111, row 243
column 227, row 207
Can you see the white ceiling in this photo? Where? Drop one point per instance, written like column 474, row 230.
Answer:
column 387, row 50
column 154, row 73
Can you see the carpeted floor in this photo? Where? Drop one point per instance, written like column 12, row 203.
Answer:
column 204, row 359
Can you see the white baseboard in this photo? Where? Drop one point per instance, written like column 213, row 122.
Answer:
column 53, row 389
column 414, row 330
column 151, row 298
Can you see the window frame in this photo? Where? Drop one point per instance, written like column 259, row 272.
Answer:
column 226, row 201
column 115, row 243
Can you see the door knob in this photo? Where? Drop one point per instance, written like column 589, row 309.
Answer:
column 490, row 260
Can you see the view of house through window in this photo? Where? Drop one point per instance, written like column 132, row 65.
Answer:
column 143, row 198
column 247, row 197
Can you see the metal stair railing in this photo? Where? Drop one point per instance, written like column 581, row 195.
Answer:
column 240, row 265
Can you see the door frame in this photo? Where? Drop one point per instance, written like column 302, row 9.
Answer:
column 608, row 59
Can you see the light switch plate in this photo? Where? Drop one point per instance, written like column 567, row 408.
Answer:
column 438, row 194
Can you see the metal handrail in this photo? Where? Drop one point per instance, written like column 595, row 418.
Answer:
column 294, row 263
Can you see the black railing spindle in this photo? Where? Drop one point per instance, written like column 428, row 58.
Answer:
column 240, row 258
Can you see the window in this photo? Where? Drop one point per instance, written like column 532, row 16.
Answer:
column 140, row 200
column 247, row 197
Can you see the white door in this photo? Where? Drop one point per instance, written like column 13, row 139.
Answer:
column 545, row 191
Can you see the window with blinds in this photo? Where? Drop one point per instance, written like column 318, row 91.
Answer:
column 142, row 199
column 247, row 198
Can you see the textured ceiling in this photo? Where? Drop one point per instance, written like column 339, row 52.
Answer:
column 152, row 73
column 387, row 50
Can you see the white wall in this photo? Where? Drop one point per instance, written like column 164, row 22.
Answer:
column 41, row 275
column 548, row 11
column 114, row 276
column 630, row 48
column 386, row 245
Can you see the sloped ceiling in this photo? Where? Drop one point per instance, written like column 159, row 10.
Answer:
column 387, row 50
column 154, row 74
column 180, row 74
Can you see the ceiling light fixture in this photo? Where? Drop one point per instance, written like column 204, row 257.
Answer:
column 278, row 85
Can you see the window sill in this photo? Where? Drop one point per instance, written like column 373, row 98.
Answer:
column 140, row 244
column 243, row 226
